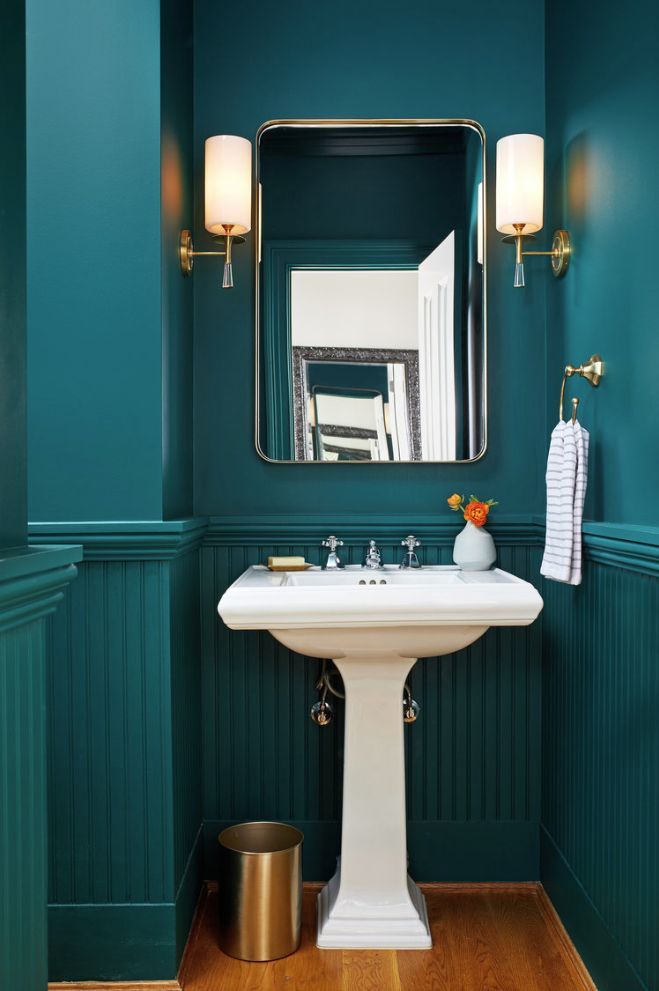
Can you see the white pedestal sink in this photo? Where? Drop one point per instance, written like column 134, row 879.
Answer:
column 374, row 633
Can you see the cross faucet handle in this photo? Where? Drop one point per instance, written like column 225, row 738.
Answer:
column 332, row 542
column 411, row 542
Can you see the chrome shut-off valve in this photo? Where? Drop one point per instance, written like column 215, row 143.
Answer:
column 321, row 713
column 411, row 708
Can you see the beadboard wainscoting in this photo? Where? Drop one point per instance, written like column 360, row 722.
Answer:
column 473, row 757
column 601, row 756
column 32, row 585
column 124, row 753
column 161, row 719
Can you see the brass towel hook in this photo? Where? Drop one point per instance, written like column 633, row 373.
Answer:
column 593, row 370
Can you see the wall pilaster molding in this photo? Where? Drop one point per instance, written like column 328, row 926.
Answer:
column 32, row 583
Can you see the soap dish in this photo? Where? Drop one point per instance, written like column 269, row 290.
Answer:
column 289, row 567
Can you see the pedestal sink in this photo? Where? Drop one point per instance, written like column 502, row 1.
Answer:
column 374, row 625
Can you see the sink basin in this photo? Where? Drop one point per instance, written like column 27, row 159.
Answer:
column 374, row 625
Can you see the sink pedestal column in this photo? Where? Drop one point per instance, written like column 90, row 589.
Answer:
column 371, row 902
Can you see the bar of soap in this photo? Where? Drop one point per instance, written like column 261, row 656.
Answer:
column 286, row 562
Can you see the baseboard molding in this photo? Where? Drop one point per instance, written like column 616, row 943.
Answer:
column 601, row 953
column 193, row 935
column 108, row 942
column 568, row 952
column 115, row 986
column 457, row 852
column 189, row 892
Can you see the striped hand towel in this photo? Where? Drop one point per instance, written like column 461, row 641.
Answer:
column 567, row 476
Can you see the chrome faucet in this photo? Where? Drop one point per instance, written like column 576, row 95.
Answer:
column 373, row 557
column 333, row 561
column 410, row 560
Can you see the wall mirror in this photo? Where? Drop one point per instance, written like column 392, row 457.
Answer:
column 370, row 291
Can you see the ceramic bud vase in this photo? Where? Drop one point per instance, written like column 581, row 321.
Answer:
column 474, row 548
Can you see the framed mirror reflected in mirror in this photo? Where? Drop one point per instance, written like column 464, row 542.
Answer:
column 370, row 294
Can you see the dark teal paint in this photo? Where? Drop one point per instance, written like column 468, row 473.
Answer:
column 32, row 582
column 602, row 157
column 598, row 947
column 110, row 317
column 23, row 824
column 442, row 850
column 601, row 759
column 31, row 586
column 13, row 506
column 176, row 213
column 94, row 316
column 600, row 692
column 111, row 941
column 340, row 61
column 186, row 737
column 417, row 197
column 124, row 756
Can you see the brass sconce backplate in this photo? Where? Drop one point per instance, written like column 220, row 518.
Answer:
column 561, row 249
column 185, row 248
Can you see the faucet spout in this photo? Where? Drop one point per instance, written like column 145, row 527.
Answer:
column 373, row 559
column 333, row 561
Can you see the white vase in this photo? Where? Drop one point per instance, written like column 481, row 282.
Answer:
column 474, row 548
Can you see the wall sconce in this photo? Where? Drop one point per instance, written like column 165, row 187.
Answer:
column 227, row 201
column 520, row 197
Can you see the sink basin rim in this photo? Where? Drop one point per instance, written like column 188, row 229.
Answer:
column 263, row 600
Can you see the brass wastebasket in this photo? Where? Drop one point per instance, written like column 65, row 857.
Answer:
column 260, row 890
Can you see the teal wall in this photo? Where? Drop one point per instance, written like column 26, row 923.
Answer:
column 12, row 277
column 32, row 582
column 601, row 641
column 365, row 59
column 601, row 167
column 110, row 334
column 176, row 214
column 110, row 441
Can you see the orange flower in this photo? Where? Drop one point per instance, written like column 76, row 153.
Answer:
column 454, row 500
column 476, row 512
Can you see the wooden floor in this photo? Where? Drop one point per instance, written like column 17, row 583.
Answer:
column 485, row 938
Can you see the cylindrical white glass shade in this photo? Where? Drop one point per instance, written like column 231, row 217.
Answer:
column 520, row 183
column 228, row 184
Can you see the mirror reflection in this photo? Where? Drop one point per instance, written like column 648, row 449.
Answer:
column 371, row 328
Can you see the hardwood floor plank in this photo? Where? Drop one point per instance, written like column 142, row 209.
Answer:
column 485, row 938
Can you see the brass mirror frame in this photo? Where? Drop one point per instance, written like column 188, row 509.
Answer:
column 258, row 233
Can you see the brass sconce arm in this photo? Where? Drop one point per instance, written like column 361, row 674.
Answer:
column 560, row 251
column 187, row 254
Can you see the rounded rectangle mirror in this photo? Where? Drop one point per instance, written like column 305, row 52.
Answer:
column 370, row 291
